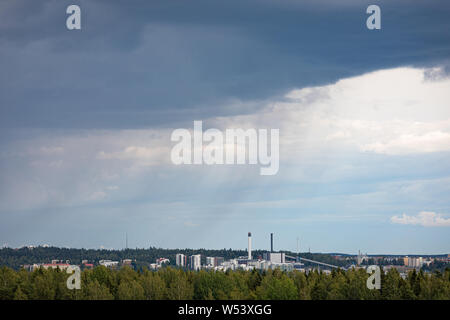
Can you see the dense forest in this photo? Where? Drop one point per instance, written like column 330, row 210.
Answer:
column 15, row 258
column 175, row 284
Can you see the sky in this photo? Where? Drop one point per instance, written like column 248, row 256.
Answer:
column 86, row 118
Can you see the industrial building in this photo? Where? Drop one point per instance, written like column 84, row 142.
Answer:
column 275, row 257
column 270, row 260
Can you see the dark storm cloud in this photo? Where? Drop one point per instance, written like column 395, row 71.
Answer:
column 146, row 63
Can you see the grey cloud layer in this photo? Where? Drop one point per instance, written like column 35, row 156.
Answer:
column 145, row 63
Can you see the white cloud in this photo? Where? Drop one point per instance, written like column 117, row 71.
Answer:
column 140, row 155
column 190, row 224
column 410, row 143
column 424, row 218
column 97, row 195
column 392, row 112
column 51, row 150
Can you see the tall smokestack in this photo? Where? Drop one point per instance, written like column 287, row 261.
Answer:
column 249, row 246
column 271, row 242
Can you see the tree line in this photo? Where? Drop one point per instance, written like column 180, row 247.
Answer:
column 16, row 258
column 101, row 283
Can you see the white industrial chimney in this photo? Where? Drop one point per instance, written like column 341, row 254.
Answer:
column 249, row 246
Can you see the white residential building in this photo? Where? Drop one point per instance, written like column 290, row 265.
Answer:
column 195, row 262
column 211, row 261
column 416, row 262
column 180, row 260
column 108, row 263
